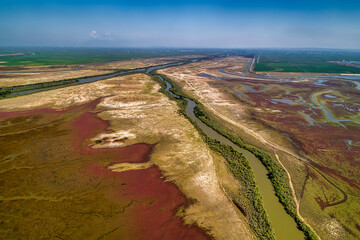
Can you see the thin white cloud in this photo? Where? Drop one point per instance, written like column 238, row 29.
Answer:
column 93, row 34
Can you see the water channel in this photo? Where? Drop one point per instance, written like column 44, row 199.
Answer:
column 315, row 104
column 284, row 226
column 95, row 78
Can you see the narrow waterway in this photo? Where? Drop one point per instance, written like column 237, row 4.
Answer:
column 94, row 78
column 328, row 115
column 284, row 226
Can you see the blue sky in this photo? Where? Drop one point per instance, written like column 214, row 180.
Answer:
column 224, row 24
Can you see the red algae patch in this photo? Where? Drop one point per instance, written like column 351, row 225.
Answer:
column 69, row 183
column 154, row 201
column 88, row 125
column 153, row 204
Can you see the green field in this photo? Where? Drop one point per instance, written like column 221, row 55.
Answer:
column 306, row 61
column 270, row 60
column 63, row 56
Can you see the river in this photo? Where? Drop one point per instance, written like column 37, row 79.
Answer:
column 97, row 78
column 284, row 226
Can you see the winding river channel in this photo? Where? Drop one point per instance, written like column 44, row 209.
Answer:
column 284, row 226
column 96, row 78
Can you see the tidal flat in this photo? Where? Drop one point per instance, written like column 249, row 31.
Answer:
column 323, row 170
column 52, row 145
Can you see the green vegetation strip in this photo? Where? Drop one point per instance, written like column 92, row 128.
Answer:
column 6, row 91
column 248, row 198
column 242, row 171
column 276, row 173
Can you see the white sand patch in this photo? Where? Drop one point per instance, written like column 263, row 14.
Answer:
column 334, row 228
column 112, row 140
column 126, row 114
column 109, row 103
column 121, row 167
column 120, row 134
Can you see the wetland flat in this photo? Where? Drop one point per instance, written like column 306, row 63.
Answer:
column 106, row 156
column 69, row 147
column 179, row 120
column 298, row 110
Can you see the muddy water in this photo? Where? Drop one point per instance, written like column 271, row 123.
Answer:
column 284, row 226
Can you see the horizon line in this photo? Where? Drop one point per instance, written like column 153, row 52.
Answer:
column 192, row 48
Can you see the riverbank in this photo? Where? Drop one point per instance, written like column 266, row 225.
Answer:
column 20, row 90
column 251, row 206
column 136, row 114
column 277, row 174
